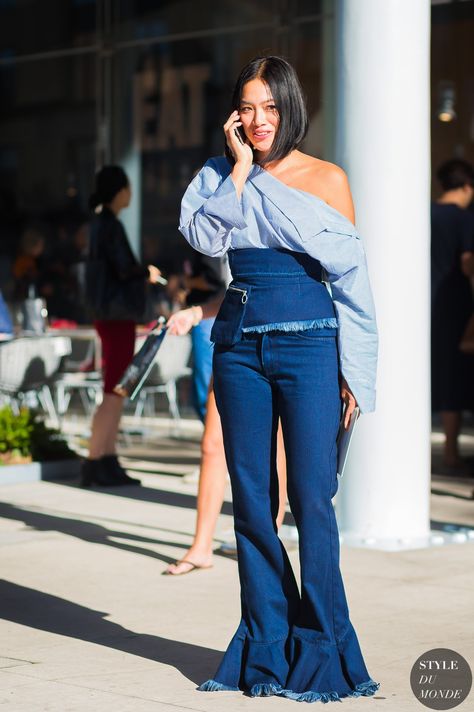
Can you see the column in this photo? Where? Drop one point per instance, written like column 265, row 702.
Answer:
column 383, row 143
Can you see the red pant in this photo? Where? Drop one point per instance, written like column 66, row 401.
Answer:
column 118, row 344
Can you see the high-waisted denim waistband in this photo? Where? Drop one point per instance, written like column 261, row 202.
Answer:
column 254, row 264
column 273, row 290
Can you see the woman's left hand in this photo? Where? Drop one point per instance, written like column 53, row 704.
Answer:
column 153, row 274
column 349, row 400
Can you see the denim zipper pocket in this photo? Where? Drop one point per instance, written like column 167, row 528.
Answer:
column 243, row 292
column 227, row 329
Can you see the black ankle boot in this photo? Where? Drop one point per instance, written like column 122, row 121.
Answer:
column 93, row 472
column 117, row 472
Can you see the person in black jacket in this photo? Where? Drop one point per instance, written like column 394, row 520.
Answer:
column 452, row 266
column 116, row 294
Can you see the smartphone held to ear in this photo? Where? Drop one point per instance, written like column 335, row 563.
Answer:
column 240, row 135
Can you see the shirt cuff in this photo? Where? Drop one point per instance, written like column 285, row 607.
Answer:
column 224, row 205
column 363, row 393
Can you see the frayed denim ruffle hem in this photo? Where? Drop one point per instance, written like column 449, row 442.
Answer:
column 317, row 671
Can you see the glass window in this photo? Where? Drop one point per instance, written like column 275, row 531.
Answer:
column 452, row 83
column 47, row 164
column 30, row 26
column 148, row 86
column 147, row 18
column 179, row 96
column 308, row 8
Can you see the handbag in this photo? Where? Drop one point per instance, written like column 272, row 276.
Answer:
column 136, row 373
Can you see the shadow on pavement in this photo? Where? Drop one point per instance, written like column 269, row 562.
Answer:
column 180, row 451
column 183, row 459
column 458, row 489
column 43, row 611
column 87, row 531
column 455, row 495
column 150, row 494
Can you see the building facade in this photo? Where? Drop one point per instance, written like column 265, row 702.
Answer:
column 147, row 84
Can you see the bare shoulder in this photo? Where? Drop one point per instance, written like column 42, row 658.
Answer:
column 324, row 175
column 334, row 174
column 329, row 182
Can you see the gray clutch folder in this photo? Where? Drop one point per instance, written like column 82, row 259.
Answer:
column 344, row 438
column 136, row 373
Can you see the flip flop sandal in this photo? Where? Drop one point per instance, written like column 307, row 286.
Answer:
column 194, row 567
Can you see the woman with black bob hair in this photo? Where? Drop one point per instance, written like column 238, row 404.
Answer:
column 116, row 296
column 287, row 95
column 285, row 348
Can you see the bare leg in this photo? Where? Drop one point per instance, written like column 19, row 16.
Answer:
column 105, row 425
column 452, row 426
column 212, row 483
column 281, row 469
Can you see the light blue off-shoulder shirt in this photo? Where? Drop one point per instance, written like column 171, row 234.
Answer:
column 271, row 214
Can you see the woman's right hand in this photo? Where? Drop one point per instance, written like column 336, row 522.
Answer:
column 240, row 149
column 181, row 322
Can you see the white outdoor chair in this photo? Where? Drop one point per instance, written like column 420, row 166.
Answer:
column 170, row 365
column 88, row 385
column 28, row 365
column 71, row 379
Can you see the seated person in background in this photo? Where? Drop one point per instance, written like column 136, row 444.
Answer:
column 25, row 267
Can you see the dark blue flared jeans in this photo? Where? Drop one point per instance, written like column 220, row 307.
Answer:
column 294, row 642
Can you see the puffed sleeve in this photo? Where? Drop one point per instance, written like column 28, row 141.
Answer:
column 210, row 209
column 340, row 250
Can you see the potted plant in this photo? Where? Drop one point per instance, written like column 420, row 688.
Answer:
column 30, row 450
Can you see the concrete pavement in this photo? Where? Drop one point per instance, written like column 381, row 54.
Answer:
column 91, row 625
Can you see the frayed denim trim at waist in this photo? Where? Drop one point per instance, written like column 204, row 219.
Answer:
column 326, row 323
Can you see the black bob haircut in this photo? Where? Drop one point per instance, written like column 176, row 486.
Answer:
column 455, row 173
column 288, row 96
